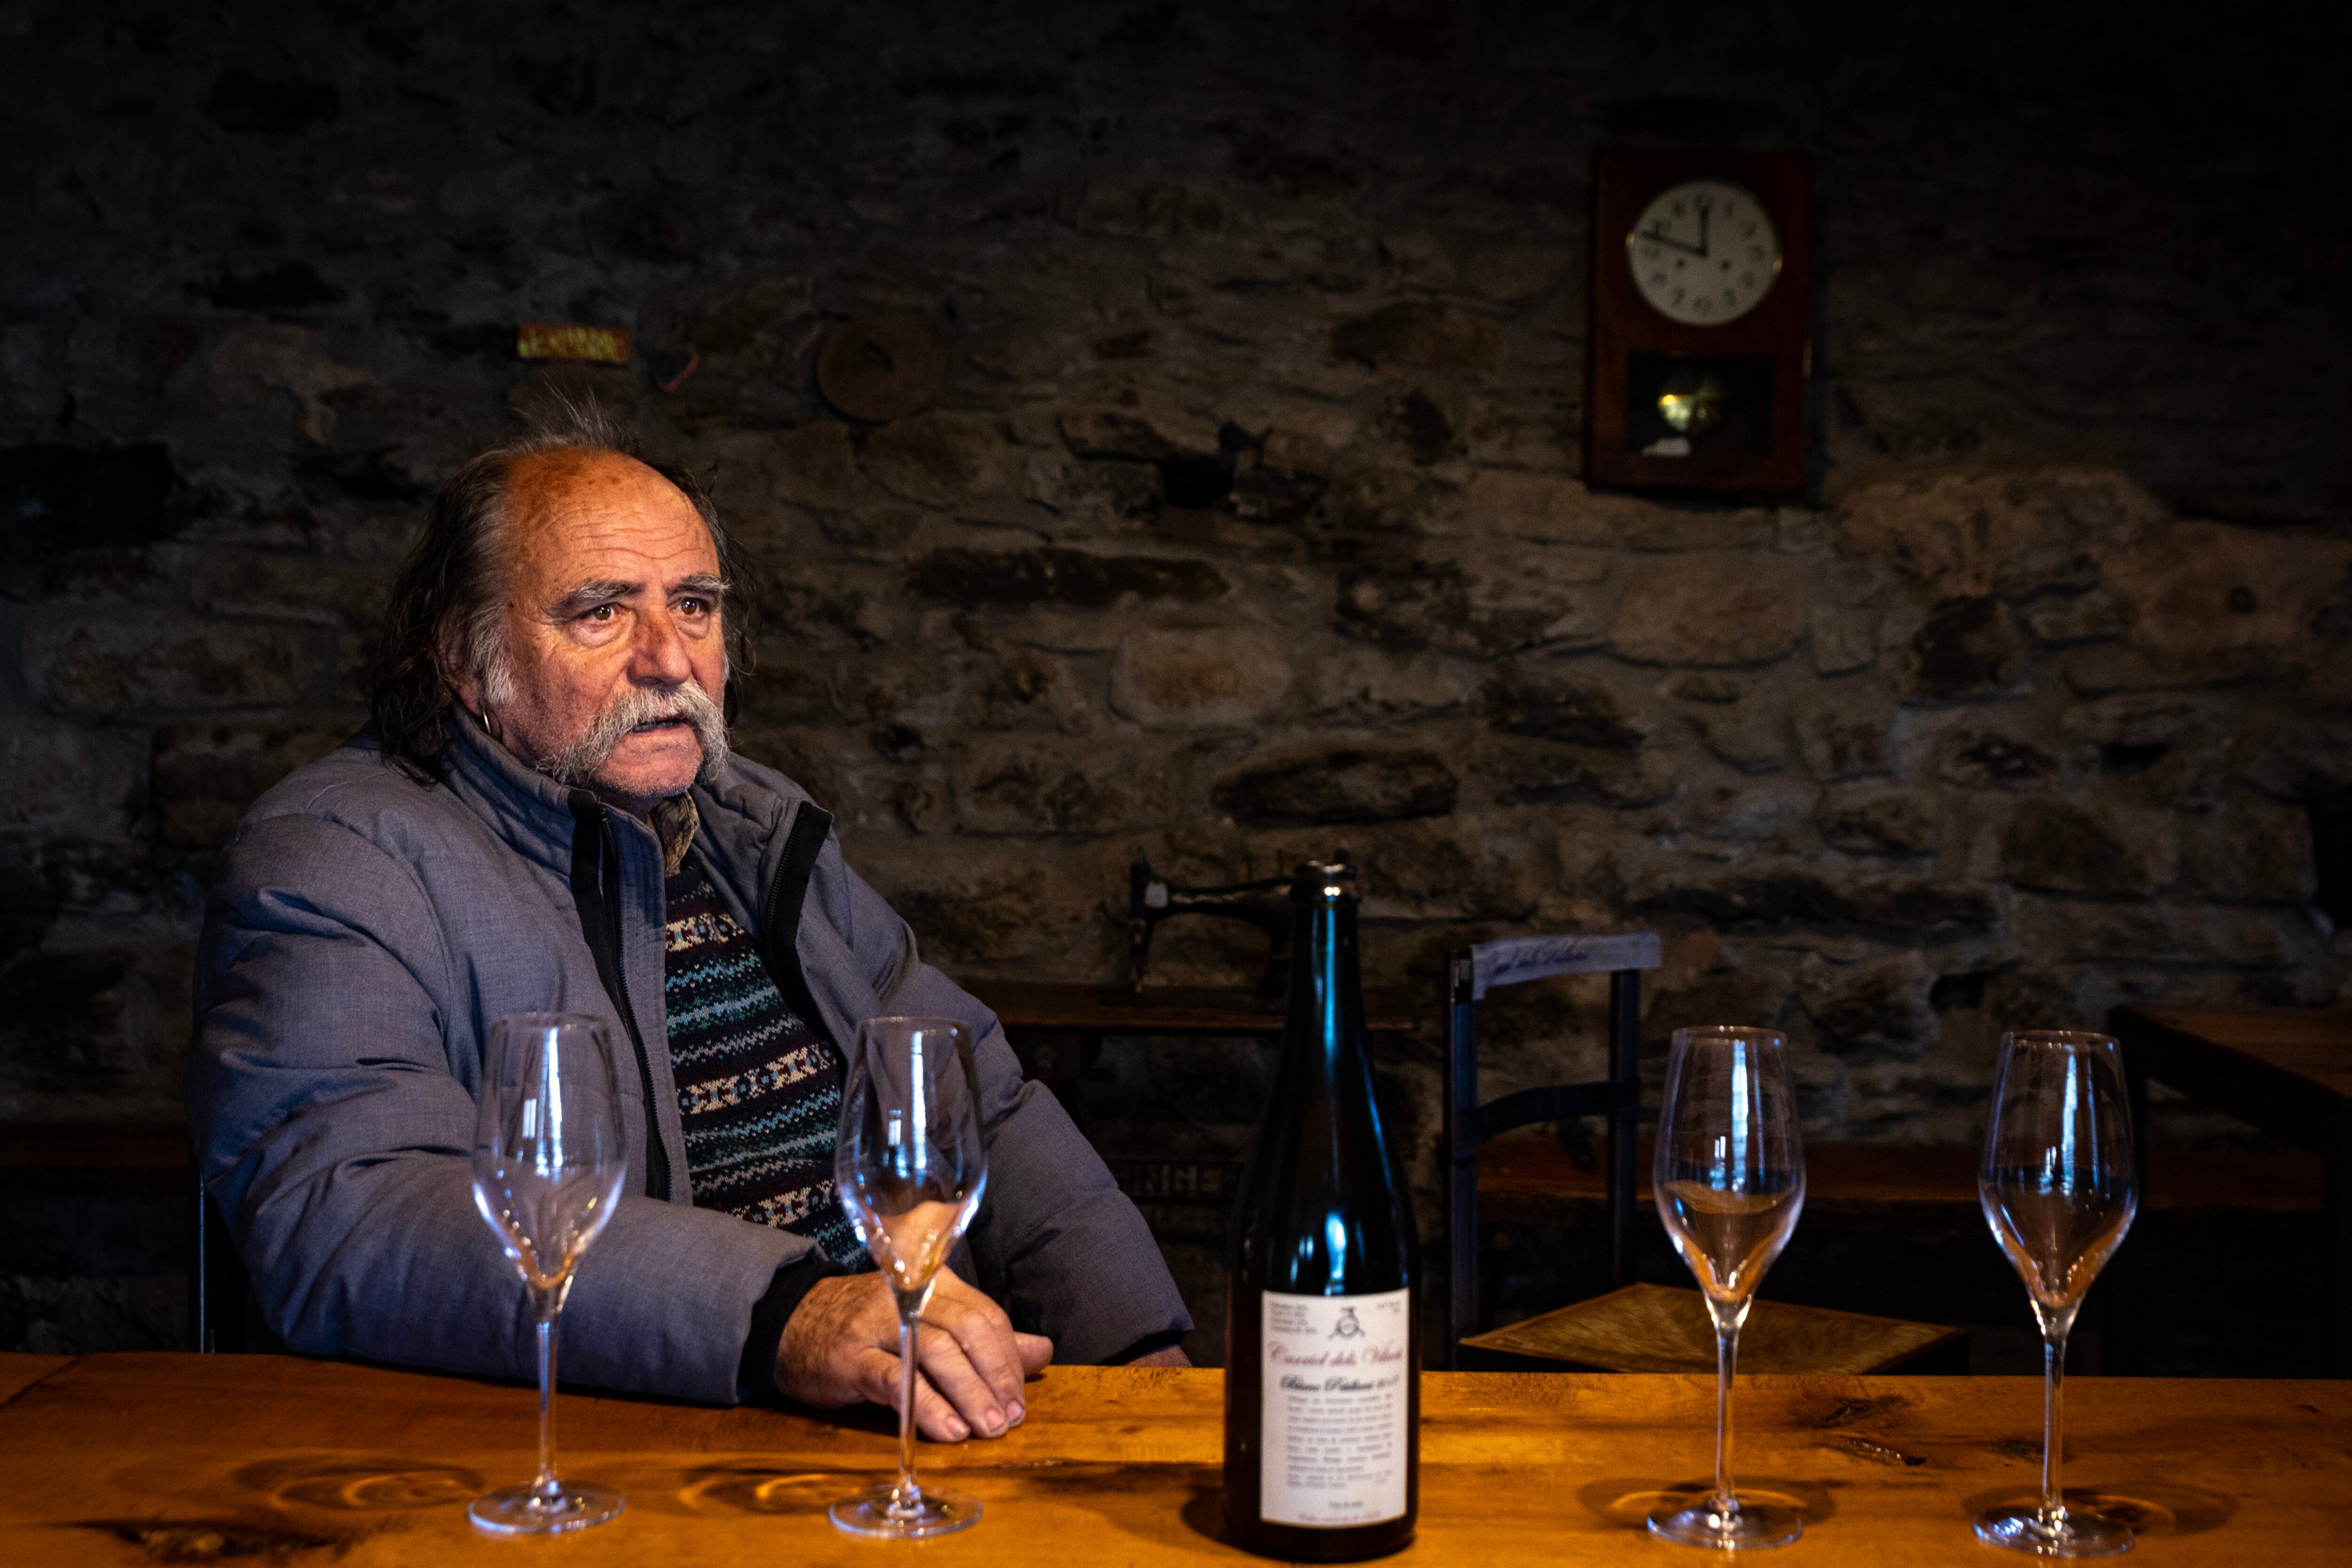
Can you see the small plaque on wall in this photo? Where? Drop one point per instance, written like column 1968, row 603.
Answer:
column 1701, row 300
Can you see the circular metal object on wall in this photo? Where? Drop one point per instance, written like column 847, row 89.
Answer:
column 881, row 367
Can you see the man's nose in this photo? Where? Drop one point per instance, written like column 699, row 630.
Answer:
column 659, row 655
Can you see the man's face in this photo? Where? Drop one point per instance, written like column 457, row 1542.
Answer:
column 613, row 610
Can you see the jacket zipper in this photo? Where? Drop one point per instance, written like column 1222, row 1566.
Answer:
column 657, row 1154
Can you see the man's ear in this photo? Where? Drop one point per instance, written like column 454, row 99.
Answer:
column 461, row 682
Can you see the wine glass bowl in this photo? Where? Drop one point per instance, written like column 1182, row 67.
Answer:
column 2059, row 1190
column 549, row 1164
column 1729, row 1180
column 909, row 1164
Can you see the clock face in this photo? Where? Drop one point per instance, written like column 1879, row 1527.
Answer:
column 1703, row 252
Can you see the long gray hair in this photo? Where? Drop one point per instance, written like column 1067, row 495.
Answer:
column 448, row 604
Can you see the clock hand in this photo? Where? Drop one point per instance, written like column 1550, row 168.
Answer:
column 1658, row 238
column 1704, row 213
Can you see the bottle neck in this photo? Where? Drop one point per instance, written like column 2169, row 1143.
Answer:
column 1326, row 989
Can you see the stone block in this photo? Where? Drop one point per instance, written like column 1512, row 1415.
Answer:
column 939, row 459
column 1149, row 206
column 206, row 775
column 1149, row 435
column 1335, row 787
column 1420, row 335
column 1204, row 677
column 1796, row 895
column 2252, row 851
column 1965, row 536
column 2068, row 846
column 1550, row 705
column 1965, row 650
column 1472, row 604
column 1089, row 496
column 1032, row 689
column 2210, row 599
column 2145, row 718
column 1450, row 868
column 2087, row 617
column 1710, row 608
column 1878, row 1006
column 1977, row 758
column 1360, row 501
column 816, row 466
column 1880, row 819
column 1755, row 997
column 1746, row 813
column 165, row 663
column 1845, row 729
column 63, row 778
column 2307, row 759
column 2162, row 933
column 1419, row 259
column 1033, row 785
column 1054, row 577
column 1844, row 640
column 283, row 585
column 1364, row 685
column 1539, row 773
column 252, row 359
column 1752, row 736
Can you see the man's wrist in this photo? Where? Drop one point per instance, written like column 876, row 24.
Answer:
column 755, row 1375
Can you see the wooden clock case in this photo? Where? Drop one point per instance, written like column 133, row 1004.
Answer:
column 1628, row 338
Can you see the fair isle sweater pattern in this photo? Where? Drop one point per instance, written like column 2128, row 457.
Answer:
column 758, row 1091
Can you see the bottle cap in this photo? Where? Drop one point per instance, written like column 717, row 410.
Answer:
column 1323, row 880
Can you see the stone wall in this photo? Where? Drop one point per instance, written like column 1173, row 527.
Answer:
column 1247, row 521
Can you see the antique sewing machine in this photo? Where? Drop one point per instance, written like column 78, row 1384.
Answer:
column 1265, row 904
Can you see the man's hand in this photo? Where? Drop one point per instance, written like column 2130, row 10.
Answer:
column 841, row 1345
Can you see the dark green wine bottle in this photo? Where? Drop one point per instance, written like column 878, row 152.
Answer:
column 1322, row 1331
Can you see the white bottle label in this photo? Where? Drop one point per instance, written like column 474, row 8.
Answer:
column 1334, row 1434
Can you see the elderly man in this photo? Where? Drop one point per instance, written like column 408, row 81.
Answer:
column 545, row 813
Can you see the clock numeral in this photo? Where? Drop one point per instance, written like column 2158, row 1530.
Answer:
column 1747, row 279
column 1658, row 278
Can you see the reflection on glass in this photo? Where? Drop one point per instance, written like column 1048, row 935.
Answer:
column 1730, row 1179
column 548, row 1168
column 2058, row 1190
column 910, row 1167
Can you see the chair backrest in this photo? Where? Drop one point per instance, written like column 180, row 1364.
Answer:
column 219, row 1301
column 1474, row 972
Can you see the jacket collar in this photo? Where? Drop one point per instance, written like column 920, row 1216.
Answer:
column 529, row 812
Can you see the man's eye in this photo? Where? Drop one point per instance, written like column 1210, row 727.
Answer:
column 602, row 614
column 694, row 606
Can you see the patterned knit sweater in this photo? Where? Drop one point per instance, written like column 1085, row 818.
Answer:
column 758, row 1090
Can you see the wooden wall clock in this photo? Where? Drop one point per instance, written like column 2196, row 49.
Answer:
column 1701, row 300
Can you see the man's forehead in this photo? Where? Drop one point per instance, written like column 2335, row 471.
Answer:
column 576, row 512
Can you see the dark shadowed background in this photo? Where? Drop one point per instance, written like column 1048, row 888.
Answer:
column 1247, row 521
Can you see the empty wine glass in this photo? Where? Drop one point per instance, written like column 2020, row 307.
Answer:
column 2058, row 1190
column 1730, row 1180
column 548, row 1168
column 909, row 1165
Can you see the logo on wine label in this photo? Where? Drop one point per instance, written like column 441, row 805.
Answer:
column 1335, row 1434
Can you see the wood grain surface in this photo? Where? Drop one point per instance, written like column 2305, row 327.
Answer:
column 134, row 1459
column 1656, row 1328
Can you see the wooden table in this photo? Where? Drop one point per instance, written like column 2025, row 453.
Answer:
column 2288, row 1070
column 142, row 1459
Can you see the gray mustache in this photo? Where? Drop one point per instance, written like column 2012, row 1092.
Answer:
column 639, row 705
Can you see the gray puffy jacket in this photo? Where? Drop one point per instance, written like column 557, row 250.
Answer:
column 366, row 929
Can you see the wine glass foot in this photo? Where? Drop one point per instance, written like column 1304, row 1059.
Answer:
column 522, row 1510
column 2066, row 1532
column 1748, row 1525
column 869, row 1515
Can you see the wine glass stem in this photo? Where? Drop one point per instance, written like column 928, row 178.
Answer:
column 2053, row 1370
column 547, row 1305
column 906, row 1496
column 1727, row 1351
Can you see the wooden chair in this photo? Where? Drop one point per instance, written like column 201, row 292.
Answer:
column 1634, row 1327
